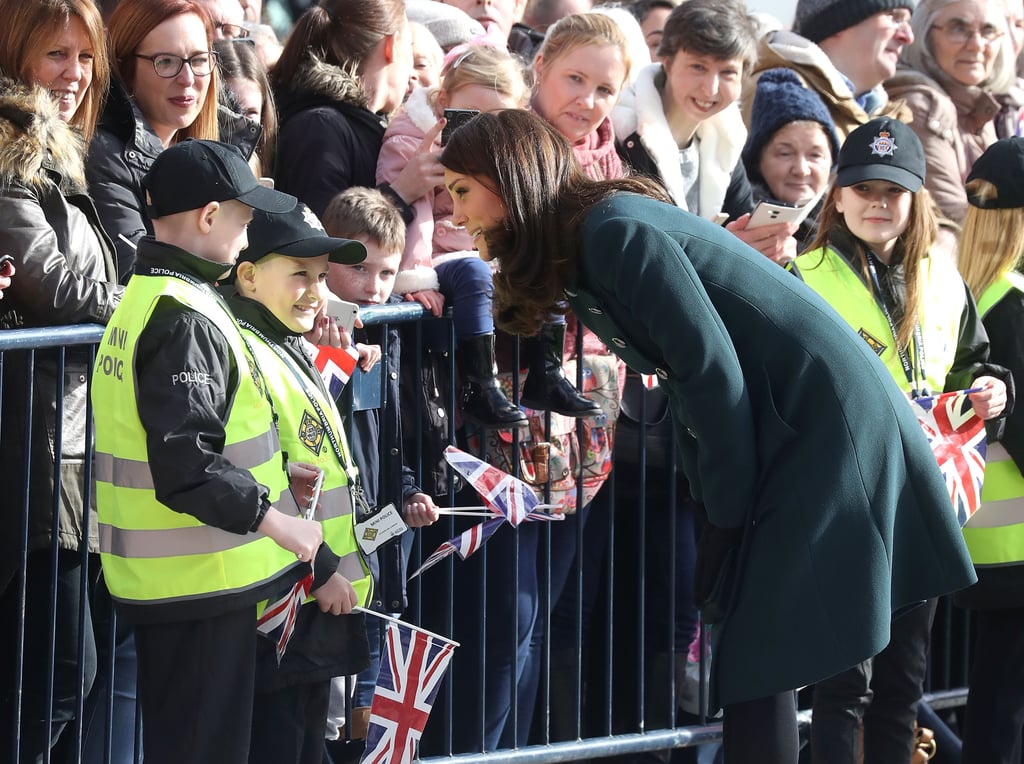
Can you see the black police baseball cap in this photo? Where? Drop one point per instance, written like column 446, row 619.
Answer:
column 1002, row 165
column 882, row 149
column 297, row 233
column 191, row 174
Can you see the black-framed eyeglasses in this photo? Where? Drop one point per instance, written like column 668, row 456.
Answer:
column 231, row 30
column 168, row 65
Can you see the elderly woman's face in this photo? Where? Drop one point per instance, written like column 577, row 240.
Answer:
column 965, row 38
column 796, row 161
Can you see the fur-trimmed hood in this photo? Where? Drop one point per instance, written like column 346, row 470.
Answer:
column 318, row 82
column 35, row 142
column 640, row 111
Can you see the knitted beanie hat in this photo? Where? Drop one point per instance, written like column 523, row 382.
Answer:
column 781, row 98
column 818, row 19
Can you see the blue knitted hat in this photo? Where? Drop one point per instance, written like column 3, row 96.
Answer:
column 781, row 98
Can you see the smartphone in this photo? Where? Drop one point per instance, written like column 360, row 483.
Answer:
column 766, row 213
column 342, row 311
column 455, row 118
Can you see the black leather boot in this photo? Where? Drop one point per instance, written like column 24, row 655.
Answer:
column 483, row 402
column 546, row 387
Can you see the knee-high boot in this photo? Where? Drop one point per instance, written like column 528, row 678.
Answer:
column 546, row 387
column 483, row 402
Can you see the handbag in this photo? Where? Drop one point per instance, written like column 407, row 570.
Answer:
column 553, row 462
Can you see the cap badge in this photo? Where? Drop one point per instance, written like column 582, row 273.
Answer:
column 311, row 220
column 883, row 145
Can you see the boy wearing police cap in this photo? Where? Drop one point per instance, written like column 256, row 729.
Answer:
column 197, row 521
column 280, row 292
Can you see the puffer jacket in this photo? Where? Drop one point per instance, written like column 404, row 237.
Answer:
column 65, row 275
column 955, row 124
column 121, row 153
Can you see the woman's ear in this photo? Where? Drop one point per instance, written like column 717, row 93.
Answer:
column 389, row 42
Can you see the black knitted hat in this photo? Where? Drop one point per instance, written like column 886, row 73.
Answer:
column 818, row 19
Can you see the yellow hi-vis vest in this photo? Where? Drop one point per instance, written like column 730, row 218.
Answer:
column 943, row 297
column 995, row 534
column 304, row 438
column 151, row 554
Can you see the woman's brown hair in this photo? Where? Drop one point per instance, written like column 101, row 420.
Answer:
column 30, row 26
column 237, row 59
column 129, row 24
column 342, row 33
column 911, row 249
column 533, row 169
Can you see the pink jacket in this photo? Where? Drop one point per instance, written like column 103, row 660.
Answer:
column 431, row 237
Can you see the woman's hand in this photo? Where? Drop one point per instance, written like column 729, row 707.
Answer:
column 989, row 402
column 774, row 241
column 430, row 299
column 424, row 172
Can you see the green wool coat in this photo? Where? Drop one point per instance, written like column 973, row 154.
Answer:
column 790, row 428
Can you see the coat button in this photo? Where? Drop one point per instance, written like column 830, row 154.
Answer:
column 630, row 144
column 394, row 452
column 440, row 412
column 394, row 375
column 131, row 155
column 618, row 342
column 568, row 293
column 662, row 373
column 596, row 311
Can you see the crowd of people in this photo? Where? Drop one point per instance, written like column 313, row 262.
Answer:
column 696, row 260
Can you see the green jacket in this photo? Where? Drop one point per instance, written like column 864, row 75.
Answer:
column 790, row 428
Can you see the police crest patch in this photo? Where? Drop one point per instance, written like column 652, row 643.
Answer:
column 254, row 372
column 311, row 432
column 873, row 342
column 883, row 145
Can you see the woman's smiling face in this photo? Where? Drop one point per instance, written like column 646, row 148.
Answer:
column 476, row 207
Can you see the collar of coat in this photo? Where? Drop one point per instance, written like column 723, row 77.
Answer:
column 35, row 144
column 721, row 137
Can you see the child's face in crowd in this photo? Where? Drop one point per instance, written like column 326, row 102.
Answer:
column 64, row 68
column 292, row 288
column 477, row 97
column 227, row 235
column 249, row 97
column 796, row 161
column 427, row 58
column 475, row 207
column 172, row 103
column 877, row 212
column 702, row 86
column 576, row 91
column 369, row 282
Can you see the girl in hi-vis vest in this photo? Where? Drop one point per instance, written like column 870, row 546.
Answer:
column 873, row 260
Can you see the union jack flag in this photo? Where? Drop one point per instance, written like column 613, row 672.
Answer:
column 278, row 619
column 336, row 366
column 957, row 437
column 412, row 666
column 509, row 498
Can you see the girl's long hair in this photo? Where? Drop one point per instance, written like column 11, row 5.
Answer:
column 911, row 248
column 532, row 168
column 992, row 240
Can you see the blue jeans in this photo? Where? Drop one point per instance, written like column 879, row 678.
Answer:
column 468, row 289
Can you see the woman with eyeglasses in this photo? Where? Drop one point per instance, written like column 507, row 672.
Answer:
column 53, row 76
column 960, row 58
column 164, row 90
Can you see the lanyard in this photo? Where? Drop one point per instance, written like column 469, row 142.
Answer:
column 918, row 340
column 336, row 445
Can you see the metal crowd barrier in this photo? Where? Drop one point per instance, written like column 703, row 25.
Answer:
column 601, row 692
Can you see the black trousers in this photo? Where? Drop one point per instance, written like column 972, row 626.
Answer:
column 288, row 725
column 761, row 731
column 196, row 682
column 883, row 692
column 995, row 703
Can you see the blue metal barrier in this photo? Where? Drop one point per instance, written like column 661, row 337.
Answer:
column 609, row 674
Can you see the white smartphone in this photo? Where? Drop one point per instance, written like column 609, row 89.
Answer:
column 342, row 311
column 766, row 213
column 720, row 218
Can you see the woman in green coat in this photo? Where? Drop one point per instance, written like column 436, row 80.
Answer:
column 826, row 509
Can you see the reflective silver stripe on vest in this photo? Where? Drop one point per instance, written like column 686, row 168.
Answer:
column 153, row 544
column 336, row 502
column 123, row 473
column 251, row 453
column 351, row 567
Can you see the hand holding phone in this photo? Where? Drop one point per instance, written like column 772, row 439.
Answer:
column 342, row 311
column 766, row 213
column 454, row 119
